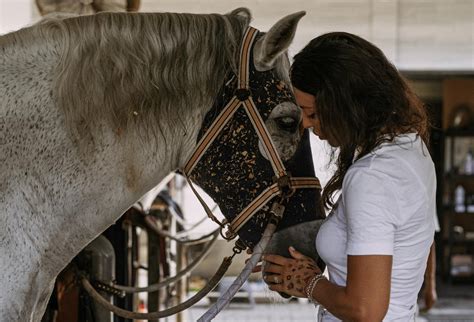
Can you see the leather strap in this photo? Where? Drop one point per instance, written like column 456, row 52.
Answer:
column 265, row 137
column 211, row 134
column 267, row 195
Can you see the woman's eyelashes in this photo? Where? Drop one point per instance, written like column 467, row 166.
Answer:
column 310, row 115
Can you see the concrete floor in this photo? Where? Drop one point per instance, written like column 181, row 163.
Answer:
column 450, row 310
column 455, row 304
column 446, row 311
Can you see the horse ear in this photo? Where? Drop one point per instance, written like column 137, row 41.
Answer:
column 276, row 41
column 242, row 12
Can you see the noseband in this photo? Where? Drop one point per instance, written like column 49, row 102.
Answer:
column 283, row 184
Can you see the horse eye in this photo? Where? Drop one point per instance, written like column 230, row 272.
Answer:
column 287, row 123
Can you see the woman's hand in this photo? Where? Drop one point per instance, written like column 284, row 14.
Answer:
column 289, row 275
column 430, row 297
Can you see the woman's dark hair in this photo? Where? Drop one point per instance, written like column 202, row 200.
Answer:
column 361, row 98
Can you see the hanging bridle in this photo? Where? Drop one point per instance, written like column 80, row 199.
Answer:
column 284, row 185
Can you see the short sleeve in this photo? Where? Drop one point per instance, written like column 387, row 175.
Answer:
column 371, row 211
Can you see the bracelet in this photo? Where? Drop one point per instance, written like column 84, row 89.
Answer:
column 310, row 287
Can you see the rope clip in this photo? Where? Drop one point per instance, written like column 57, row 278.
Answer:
column 229, row 234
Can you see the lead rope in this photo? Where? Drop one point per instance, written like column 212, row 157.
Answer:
column 224, row 299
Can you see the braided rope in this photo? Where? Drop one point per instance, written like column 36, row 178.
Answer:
column 168, row 281
column 188, row 242
column 225, row 299
column 159, row 314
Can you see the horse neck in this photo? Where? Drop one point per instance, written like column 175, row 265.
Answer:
column 159, row 109
column 159, row 78
column 24, row 51
column 155, row 141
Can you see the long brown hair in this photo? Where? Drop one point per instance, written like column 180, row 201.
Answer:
column 361, row 98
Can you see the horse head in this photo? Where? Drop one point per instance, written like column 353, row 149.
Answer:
column 236, row 169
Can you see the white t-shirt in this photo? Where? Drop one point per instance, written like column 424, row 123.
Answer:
column 386, row 207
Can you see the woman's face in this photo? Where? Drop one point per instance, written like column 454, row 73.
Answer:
column 307, row 103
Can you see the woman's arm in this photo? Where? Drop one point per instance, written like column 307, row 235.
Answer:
column 429, row 292
column 367, row 293
column 365, row 297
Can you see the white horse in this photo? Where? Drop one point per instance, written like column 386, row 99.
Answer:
column 94, row 112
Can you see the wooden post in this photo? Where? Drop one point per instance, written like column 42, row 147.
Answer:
column 181, row 286
column 153, row 270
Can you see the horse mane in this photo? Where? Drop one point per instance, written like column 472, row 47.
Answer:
column 124, row 68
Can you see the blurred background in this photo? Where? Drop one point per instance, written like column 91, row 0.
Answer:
column 431, row 42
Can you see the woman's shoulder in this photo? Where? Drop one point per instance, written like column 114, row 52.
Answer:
column 405, row 154
column 401, row 162
column 403, row 169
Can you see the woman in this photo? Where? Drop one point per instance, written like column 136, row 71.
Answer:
column 377, row 238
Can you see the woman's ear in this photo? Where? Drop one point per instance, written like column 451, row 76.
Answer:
column 276, row 41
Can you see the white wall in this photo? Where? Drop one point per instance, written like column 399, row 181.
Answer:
column 414, row 34
column 15, row 14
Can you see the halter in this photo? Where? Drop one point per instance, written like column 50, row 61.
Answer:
column 284, row 185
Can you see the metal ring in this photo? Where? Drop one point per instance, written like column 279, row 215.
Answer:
column 228, row 235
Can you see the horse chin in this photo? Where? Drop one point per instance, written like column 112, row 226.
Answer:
column 301, row 236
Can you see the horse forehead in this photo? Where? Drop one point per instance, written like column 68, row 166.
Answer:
column 269, row 90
